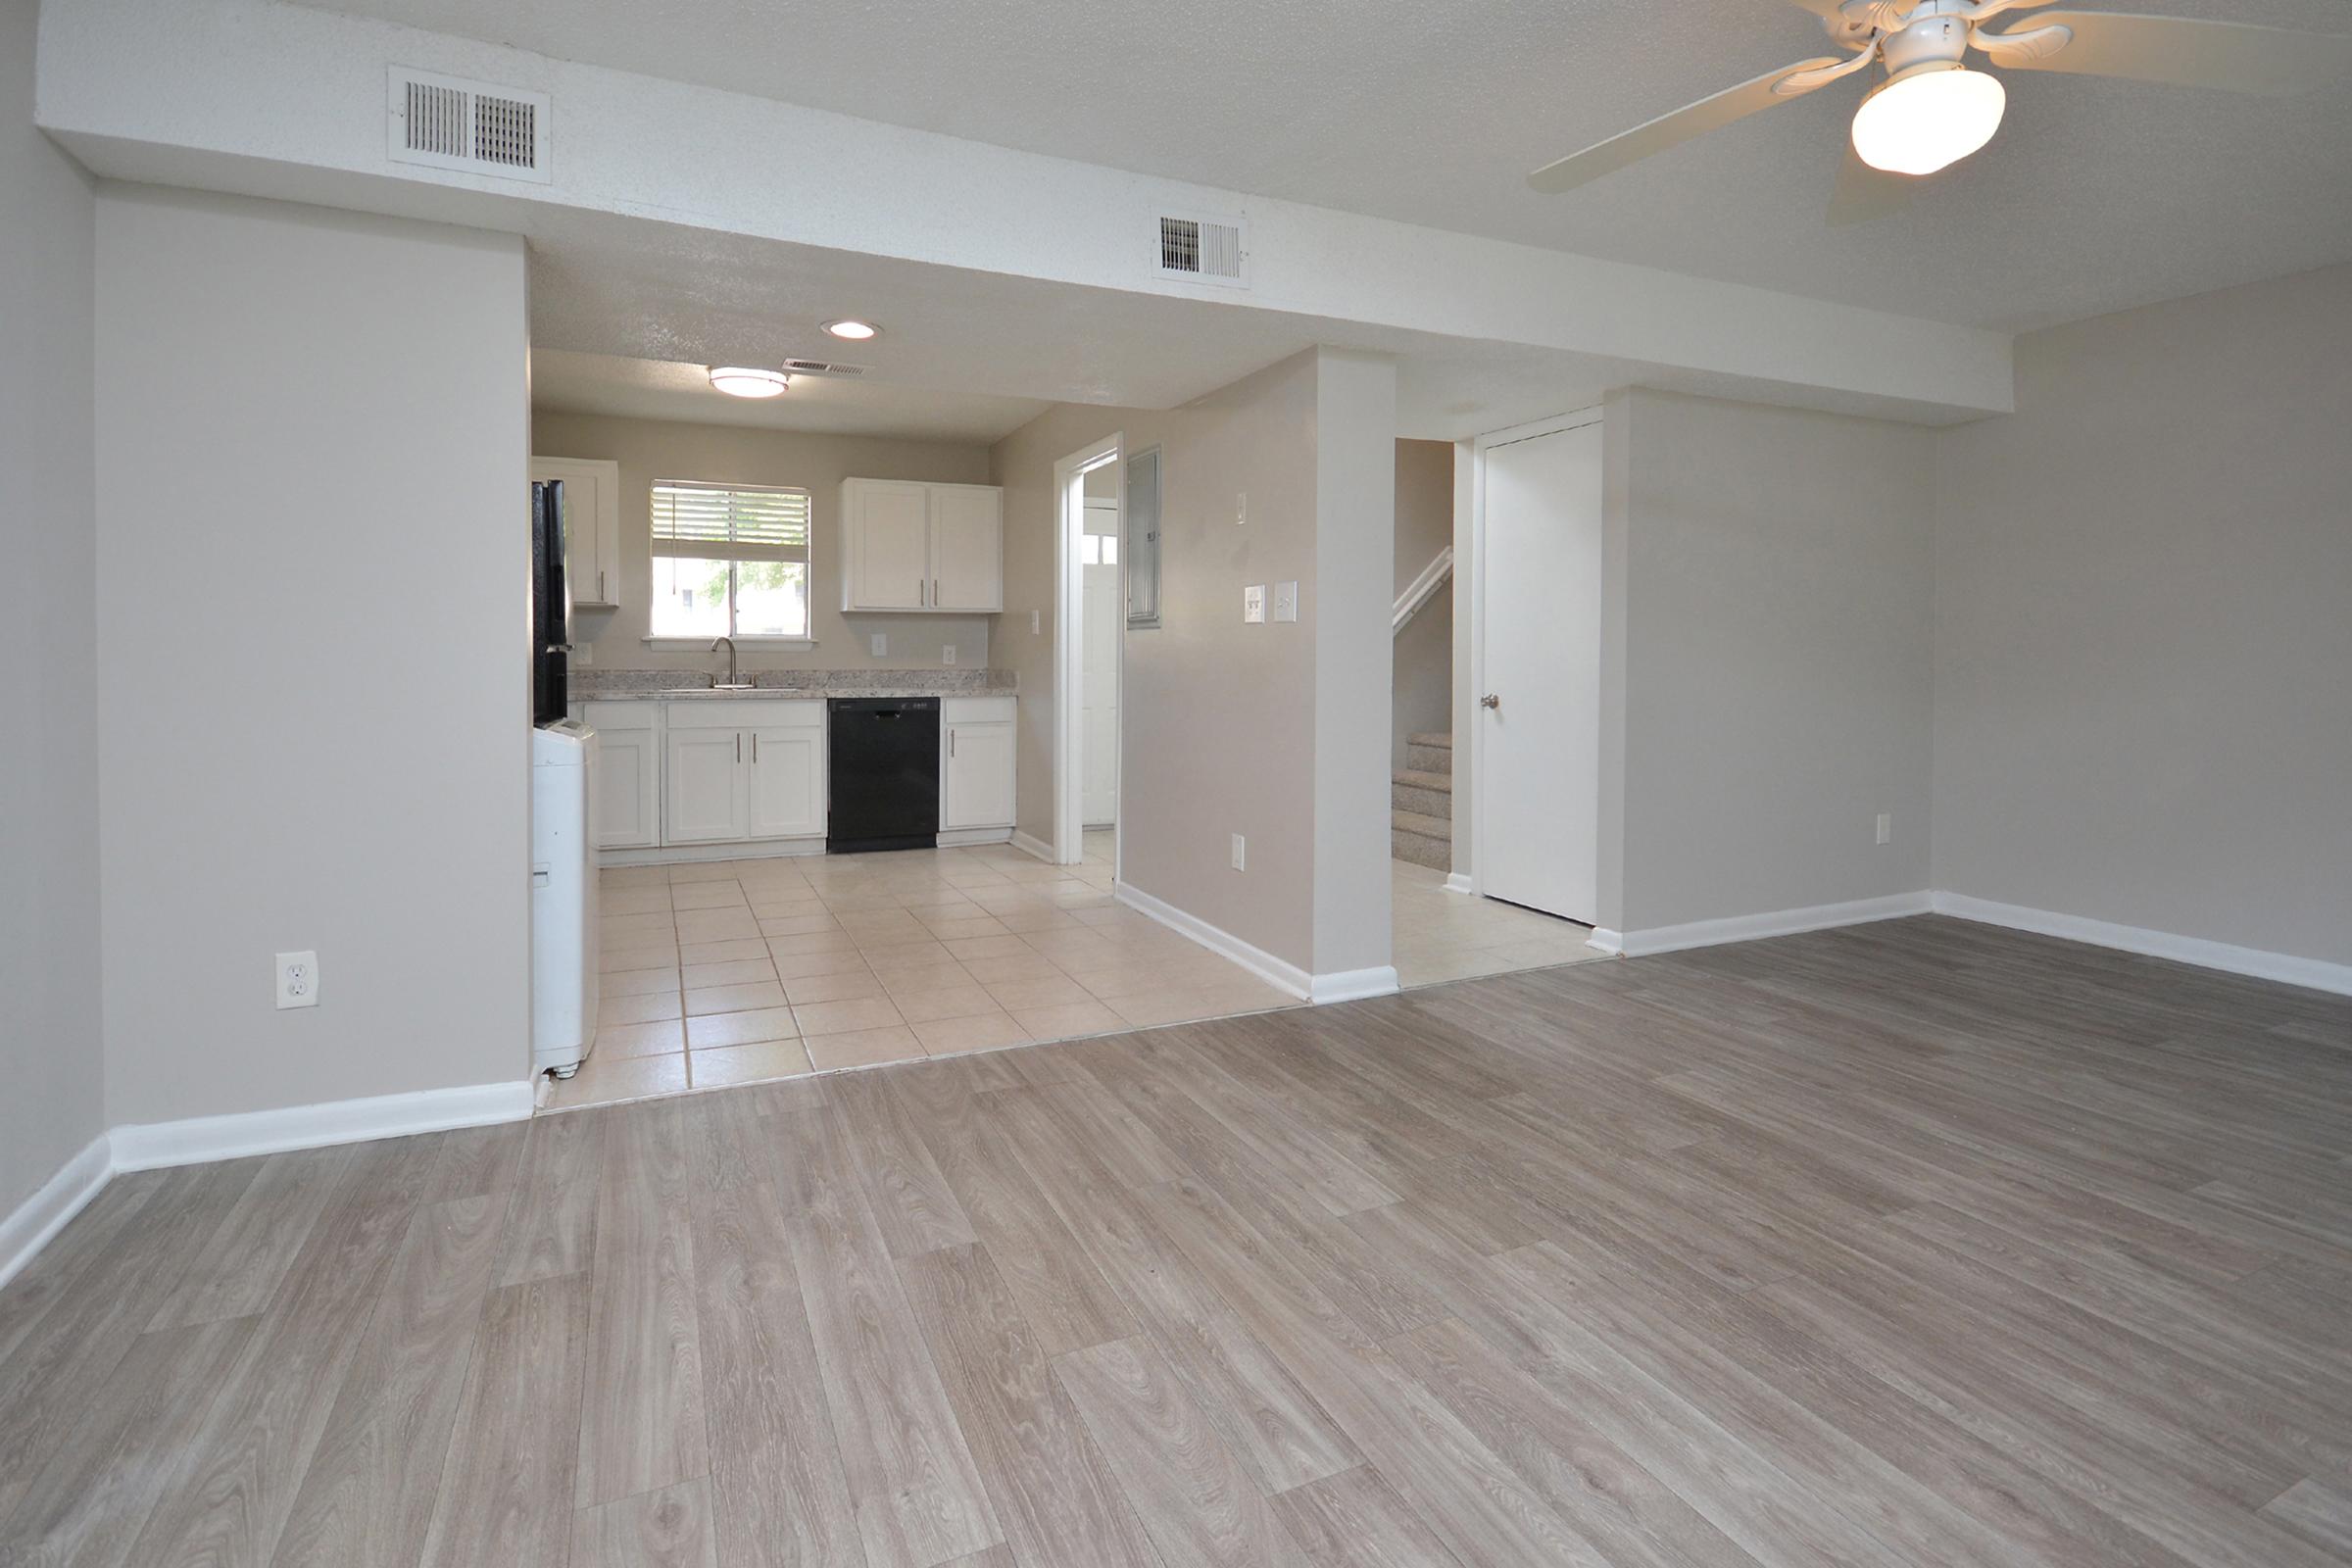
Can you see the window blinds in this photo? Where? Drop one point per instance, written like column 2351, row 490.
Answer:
column 724, row 522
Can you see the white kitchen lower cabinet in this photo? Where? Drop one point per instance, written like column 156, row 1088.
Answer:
column 976, row 762
column 627, row 787
column 752, row 769
column 788, row 779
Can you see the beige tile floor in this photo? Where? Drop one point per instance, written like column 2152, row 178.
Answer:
column 1439, row 936
column 733, row 971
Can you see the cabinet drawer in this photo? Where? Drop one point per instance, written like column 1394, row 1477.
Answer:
column 976, row 709
column 605, row 717
column 743, row 712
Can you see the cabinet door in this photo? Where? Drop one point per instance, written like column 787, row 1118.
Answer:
column 626, row 789
column 975, row 782
column 704, row 793
column 787, row 780
column 591, row 526
column 967, row 547
column 885, row 528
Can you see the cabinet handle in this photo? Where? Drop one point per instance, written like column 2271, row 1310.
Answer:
column 950, row 743
column 739, row 746
column 600, row 585
column 936, row 601
column 755, row 748
column 919, row 592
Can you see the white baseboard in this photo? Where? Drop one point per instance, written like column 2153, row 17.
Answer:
column 693, row 854
column 148, row 1144
column 26, row 1231
column 1031, row 845
column 2316, row 973
column 1604, row 940
column 1352, row 985
column 1283, row 977
column 1347, row 984
column 1457, row 882
column 957, row 838
column 1751, row 927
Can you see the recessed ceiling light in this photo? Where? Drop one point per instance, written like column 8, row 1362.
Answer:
column 741, row 382
column 852, row 330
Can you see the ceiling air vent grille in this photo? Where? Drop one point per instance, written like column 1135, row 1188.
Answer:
column 821, row 368
column 1203, row 250
column 443, row 123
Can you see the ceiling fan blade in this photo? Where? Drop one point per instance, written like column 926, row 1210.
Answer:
column 2234, row 56
column 1864, row 193
column 1669, row 131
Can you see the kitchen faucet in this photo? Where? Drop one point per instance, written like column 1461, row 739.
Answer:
column 730, row 642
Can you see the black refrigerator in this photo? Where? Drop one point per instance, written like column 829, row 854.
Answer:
column 551, row 605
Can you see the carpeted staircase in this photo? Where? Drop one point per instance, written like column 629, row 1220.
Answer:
column 1421, row 802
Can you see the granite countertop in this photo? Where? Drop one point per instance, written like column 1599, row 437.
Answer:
column 672, row 685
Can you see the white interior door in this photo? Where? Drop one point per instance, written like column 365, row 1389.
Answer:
column 1539, row 764
column 1099, row 637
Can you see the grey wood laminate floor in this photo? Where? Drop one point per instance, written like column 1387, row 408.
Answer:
column 1919, row 1243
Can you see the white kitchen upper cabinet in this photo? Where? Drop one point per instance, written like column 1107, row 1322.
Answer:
column 787, row 778
column 885, row 545
column 705, row 799
column 976, row 777
column 591, row 526
column 967, row 547
column 627, row 786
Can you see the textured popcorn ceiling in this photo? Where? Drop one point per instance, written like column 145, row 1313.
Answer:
column 2096, row 195
column 659, row 389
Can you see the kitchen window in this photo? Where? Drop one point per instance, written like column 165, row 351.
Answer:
column 729, row 560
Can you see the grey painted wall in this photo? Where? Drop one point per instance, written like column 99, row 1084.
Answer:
column 2143, row 644
column 1778, row 662
column 1218, row 729
column 313, row 689
column 648, row 449
column 51, row 1105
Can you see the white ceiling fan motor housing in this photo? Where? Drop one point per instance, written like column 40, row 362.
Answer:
column 1939, row 36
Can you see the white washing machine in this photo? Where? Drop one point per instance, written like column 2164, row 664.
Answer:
column 563, row 942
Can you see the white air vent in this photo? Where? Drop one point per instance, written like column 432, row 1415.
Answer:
column 1201, row 249
column 479, row 126
column 821, row 368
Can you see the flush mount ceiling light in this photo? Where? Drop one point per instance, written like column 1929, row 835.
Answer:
column 852, row 330
column 740, row 381
column 1926, row 117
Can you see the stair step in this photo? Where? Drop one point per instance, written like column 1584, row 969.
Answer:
column 1423, row 793
column 1421, row 759
column 1411, row 840
column 1434, row 737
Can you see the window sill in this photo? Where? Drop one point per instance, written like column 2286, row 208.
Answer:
column 701, row 645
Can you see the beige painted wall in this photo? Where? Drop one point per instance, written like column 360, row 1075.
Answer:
column 1421, row 663
column 1778, row 672
column 1218, row 727
column 51, row 1104
column 648, row 449
column 312, row 692
column 2143, row 646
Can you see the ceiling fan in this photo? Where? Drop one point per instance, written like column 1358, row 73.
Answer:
column 1934, row 110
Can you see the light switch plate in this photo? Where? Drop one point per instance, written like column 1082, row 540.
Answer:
column 583, row 654
column 1254, row 605
column 946, row 654
column 1036, row 621
column 1241, row 856
column 1286, row 601
column 1241, row 507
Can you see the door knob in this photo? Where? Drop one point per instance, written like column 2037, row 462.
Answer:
column 1490, row 700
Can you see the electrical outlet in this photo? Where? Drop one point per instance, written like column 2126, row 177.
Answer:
column 1254, row 605
column 1286, row 601
column 880, row 643
column 582, row 655
column 1241, row 507
column 1239, row 844
column 1886, row 827
column 946, row 654
column 298, row 979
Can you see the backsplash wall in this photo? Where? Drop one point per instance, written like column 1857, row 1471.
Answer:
column 648, row 449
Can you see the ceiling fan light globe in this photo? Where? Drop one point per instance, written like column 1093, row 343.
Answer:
column 1927, row 118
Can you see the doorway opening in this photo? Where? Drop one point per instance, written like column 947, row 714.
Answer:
column 1089, row 634
column 1513, row 775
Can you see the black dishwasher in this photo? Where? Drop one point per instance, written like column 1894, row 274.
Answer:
column 884, row 773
